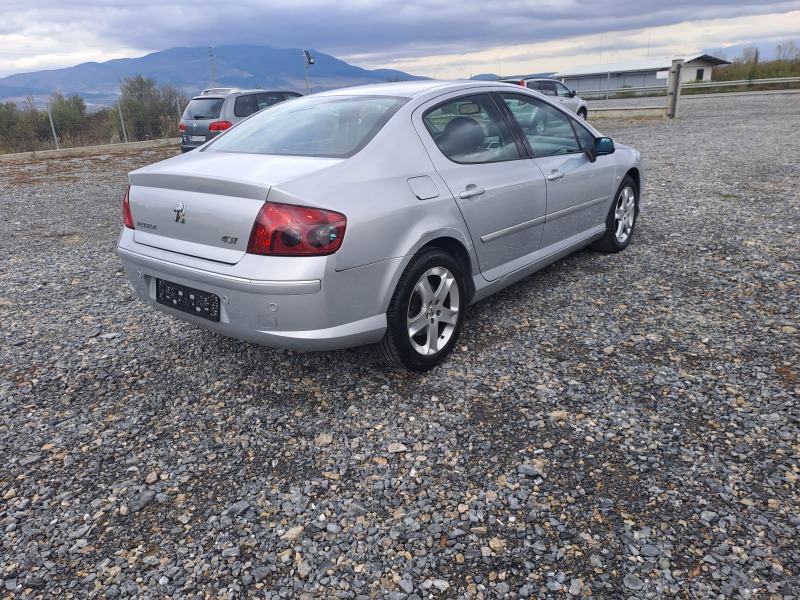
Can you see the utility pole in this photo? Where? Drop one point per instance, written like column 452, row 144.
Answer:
column 213, row 66
column 309, row 61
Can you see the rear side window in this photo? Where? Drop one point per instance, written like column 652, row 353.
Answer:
column 203, row 108
column 470, row 129
column 324, row 126
column 252, row 103
column 549, row 88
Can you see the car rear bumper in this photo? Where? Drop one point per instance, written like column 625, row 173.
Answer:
column 186, row 146
column 328, row 313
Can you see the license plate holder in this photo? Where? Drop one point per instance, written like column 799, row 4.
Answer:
column 188, row 300
column 197, row 138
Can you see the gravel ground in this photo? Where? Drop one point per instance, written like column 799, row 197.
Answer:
column 620, row 426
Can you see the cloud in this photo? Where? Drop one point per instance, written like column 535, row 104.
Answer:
column 48, row 33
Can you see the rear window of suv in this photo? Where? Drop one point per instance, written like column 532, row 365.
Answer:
column 203, row 108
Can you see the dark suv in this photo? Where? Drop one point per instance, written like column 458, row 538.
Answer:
column 218, row 109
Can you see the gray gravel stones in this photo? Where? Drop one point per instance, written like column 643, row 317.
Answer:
column 618, row 426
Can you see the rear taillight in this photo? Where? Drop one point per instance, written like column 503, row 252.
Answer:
column 127, row 217
column 181, row 126
column 289, row 230
column 220, row 126
column 522, row 83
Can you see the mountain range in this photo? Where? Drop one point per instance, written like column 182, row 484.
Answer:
column 242, row 66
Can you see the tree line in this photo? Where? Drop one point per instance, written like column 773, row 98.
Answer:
column 145, row 110
column 749, row 65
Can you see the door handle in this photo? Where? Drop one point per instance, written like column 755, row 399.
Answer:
column 555, row 175
column 471, row 191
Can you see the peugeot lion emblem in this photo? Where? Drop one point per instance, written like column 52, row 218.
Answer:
column 180, row 215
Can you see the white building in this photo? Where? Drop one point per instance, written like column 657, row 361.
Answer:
column 643, row 73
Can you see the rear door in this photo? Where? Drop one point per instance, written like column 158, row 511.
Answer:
column 500, row 192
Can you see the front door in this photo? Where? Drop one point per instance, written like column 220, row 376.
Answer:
column 578, row 190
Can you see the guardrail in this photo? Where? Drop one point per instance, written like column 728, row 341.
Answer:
column 659, row 90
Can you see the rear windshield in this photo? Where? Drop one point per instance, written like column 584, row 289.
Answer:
column 203, row 108
column 325, row 126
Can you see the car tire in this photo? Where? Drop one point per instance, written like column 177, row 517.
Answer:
column 539, row 125
column 426, row 312
column 582, row 113
column 621, row 218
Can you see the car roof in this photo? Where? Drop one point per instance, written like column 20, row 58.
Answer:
column 515, row 79
column 409, row 89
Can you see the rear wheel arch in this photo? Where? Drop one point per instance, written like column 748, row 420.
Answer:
column 427, row 309
column 457, row 250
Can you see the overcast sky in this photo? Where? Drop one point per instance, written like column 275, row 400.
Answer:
column 436, row 38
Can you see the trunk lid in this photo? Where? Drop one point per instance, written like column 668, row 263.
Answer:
column 204, row 204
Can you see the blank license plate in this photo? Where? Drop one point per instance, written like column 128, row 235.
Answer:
column 188, row 300
column 197, row 138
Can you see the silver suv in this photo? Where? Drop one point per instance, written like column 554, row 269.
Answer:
column 218, row 109
column 556, row 91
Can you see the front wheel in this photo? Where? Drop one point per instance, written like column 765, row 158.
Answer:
column 426, row 312
column 621, row 218
column 582, row 113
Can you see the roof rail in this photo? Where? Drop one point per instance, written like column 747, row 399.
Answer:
column 219, row 90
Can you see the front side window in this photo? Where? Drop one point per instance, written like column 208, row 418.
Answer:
column 548, row 131
column 323, row 126
column 585, row 137
column 470, row 129
column 562, row 90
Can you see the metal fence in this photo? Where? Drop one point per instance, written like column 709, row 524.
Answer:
column 58, row 127
column 661, row 90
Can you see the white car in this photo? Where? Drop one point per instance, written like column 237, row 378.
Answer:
column 556, row 91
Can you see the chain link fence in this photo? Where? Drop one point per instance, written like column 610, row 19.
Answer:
column 68, row 122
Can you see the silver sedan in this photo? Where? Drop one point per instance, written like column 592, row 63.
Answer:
column 373, row 215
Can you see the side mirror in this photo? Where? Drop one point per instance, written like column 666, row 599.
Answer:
column 604, row 145
column 572, row 93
